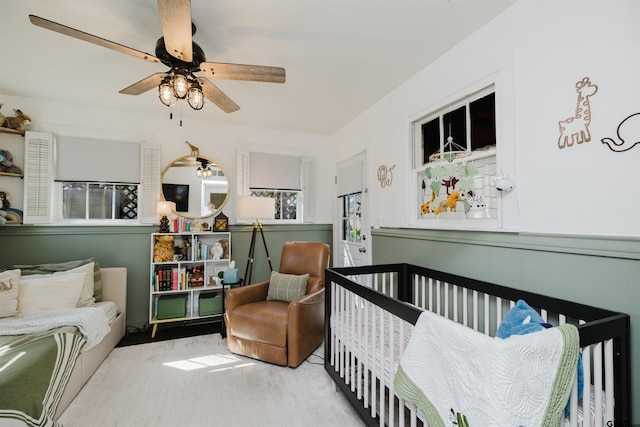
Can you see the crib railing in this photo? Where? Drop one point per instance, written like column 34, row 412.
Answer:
column 371, row 311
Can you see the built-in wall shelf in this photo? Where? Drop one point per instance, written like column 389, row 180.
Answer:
column 8, row 130
column 17, row 175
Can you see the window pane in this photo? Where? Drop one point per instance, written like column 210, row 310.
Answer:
column 74, row 200
column 483, row 122
column 100, row 201
column 455, row 125
column 288, row 205
column 430, row 139
column 351, row 215
column 127, row 205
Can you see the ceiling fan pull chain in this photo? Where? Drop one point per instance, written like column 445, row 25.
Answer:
column 180, row 115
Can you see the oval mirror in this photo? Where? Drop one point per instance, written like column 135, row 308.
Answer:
column 197, row 185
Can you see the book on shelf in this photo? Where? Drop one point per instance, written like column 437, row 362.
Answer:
column 180, row 225
column 174, row 278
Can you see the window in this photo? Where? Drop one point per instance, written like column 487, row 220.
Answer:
column 455, row 160
column 93, row 181
column 99, row 201
column 290, row 180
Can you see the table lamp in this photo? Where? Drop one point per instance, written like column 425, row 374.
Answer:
column 165, row 208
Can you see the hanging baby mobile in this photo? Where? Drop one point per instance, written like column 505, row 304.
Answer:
column 454, row 185
column 385, row 175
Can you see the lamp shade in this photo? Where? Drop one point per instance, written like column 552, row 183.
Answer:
column 256, row 207
column 165, row 208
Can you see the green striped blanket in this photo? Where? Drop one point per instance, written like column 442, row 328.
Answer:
column 34, row 371
column 453, row 373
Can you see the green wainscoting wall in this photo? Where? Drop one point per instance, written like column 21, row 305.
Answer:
column 130, row 246
column 598, row 271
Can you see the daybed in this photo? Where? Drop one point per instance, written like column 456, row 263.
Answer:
column 374, row 312
column 114, row 288
column 64, row 357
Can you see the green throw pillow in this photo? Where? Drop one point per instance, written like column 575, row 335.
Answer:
column 287, row 287
column 64, row 266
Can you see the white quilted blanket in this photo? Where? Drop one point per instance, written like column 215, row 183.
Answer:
column 453, row 373
column 90, row 321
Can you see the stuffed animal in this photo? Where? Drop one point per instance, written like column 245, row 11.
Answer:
column 3, row 220
column 225, row 248
column 163, row 249
column 426, row 208
column 450, row 204
column 183, row 249
column 217, row 251
column 20, row 122
column 4, row 200
column 6, row 163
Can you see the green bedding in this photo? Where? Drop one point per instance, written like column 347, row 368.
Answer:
column 34, row 371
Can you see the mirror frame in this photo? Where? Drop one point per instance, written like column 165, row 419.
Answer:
column 197, row 155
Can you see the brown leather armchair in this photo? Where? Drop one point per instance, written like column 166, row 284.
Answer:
column 280, row 332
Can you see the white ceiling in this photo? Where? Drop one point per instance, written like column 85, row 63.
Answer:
column 340, row 56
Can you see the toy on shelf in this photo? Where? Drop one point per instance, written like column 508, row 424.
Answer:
column 6, row 163
column 19, row 122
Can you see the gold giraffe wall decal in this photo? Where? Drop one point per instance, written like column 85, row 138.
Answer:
column 385, row 176
column 575, row 129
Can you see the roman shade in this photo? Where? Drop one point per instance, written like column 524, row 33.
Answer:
column 350, row 178
column 92, row 160
column 274, row 171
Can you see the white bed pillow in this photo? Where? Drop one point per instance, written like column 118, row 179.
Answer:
column 9, row 285
column 86, row 297
column 52, row 292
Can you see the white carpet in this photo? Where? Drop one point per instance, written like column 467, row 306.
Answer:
column 196, row 381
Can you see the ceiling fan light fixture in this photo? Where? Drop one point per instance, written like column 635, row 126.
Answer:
column 165, row 93
column 195, row 97
column 180, row 85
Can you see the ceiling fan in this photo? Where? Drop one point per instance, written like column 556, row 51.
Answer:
column 177, row 50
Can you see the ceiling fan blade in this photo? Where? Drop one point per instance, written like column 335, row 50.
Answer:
column 72, row 32
column 175, row 16
column 148, row 83
column 255, row 73
column 215, row 95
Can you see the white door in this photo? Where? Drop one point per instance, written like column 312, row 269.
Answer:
column 352, row 240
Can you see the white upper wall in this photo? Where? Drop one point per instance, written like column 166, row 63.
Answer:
column 536, row 52
column 215, row 140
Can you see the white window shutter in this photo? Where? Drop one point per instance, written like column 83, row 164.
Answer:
column 38, row 179
column 309, row 181
column 242, row 159
column 149, row 184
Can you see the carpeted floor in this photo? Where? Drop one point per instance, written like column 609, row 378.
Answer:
column 196, row 382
